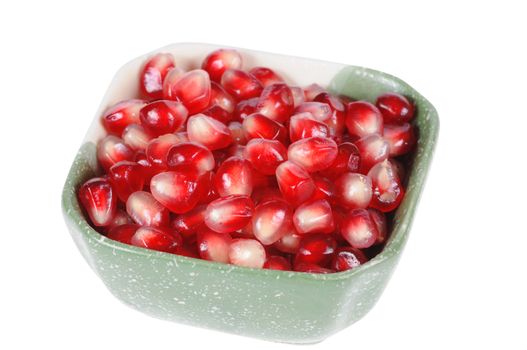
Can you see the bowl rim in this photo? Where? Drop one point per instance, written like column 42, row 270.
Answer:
column 72, row 211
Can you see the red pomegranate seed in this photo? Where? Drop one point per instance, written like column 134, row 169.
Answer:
column 170, row 80
column 156, row 238
column 265, row 155
column 234, row 176
column 314, row 217
column 353, row 190
column 111, row 150
column 387, row 189
column 190, row 154
column 314, row 153
column 145, row 210
column 372, row 149
column 241, row 85
column 99, row 200
column 358, row 229
column 312, row 91
column 187, row 224
column 120, row 218
column 247, row 253
column 192, row 89
column 153, row 74
column 347, row 258
column 324, row 188
column 213, row 246
column 401, row 138
column 208, row 183
column 398, row 168
column 311, row 268
column 276, row 102
column 236, row 150
column 218, row 61
column 238, row 134
column 347, row 160
column 245, row 108
column 157, row 150
column 294, row 182
column 163, row 117
column 266, row 76
column 337, row 120
column 379, row 219
column 218, row 113
column 179, row 191
column 320, row 111
column 221, row 98
column 136, row 137
column 289, row 243
column 209, row 132
column 148, row 169
column 257, row 125
column 304, row 125
column 316, row 249
column 277, row 262
column 228, row 214
column 123, row 233
column 126, row 178
column 363, row 118
column 298, row 95
column 116, row 118
column 272, row 219
column 245, row 232
column 395, row 108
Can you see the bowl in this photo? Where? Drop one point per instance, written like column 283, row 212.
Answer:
column 280, row 306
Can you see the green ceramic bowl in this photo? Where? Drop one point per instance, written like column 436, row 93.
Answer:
column 273, row 305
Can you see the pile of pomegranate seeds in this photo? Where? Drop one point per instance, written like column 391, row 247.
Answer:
column 238, row 167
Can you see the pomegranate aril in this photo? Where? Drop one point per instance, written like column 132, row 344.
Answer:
column 179, row 191
column 337, row 120
column 241, row 85
column 187, row 224
column 266, row 76
column 228, row 214
column 148, row 169
column 245, row 108
column 298, row 95
column 116, row 118
column 294, row 182
column 379, row 219
column 126, row 178
column 347, row 258
column 314, row 153
column 237, row 133
column 320, row 111
column 395, row 108
column 276, row 102
column 373, row 149
column 314, row 217
column 353, row 191
column 312, row 91
column 257, row 125
column 163, row 117
column 120, row 218
column 363, row 118
column 145, row 210
column 272, row 219
column 347, row 160
column 218, row 61
column 158, row 148
column 277, row 262
column 221, row 98
column 311, row 268
column 99, row 200
column 234, row 177
column 213, row 246
column 315, row 249
column 358, row 229
column 265, row 155
column 192, row 89
column 289, row 243
column 401, row 138
column 247, row 253
column 156, row 238
column 210, row 193
column 324, row 188
column 218, row 113
column 136, row 137
column 304, row 125
column 190, row 154
column 111, row 150
column 153, row 74
column 122, row 233
column 169, row 82
column 388, row 191
column 209, row 132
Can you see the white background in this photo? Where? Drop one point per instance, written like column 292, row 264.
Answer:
column 462, row 278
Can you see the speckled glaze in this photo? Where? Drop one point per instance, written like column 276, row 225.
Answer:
column 273, row 305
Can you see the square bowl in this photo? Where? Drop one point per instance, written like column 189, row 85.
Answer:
column 273, row 305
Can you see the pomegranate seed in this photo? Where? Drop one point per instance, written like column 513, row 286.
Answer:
column 123, row 233
column 145, row 210
column 314, row 217
column 111, row 150
column 192, row 89
column 289, row 243
column 245, row 232
column 395, row 108
column 277, row 262
column 170, row 80
column 363, row 118
column 156, row 238
column 213, row 246
column 294, row 182
column 126, row 178
column 247, row 253
column 320, row 111
column 234, row 176
column 98, row 200
column 120, row 218
column 228, row 214
column 147, row 168
column 312, row 91
column 324, row 188
column 218, row 61
column 372, row 149
column 191, row 154
column 122, row 114
column 347, row 258
column 401, row 138
column 245, row 108
column 379, row 219
column 236, row 150
column 265, row 155
column 276, row 102
column 187, row 224
column 311, row 268
column 387, row 189
column 157, row 150
column 347, row 160
column 136, row 137
column 266, row 76
column 179, row 191
column 221, row 98
column 399, row 169
column 257, row 125
column 238, row 134
column 153, row 74
column 358, row 229
column 315, row 249
column 314, row 153
column 303, row 125
column 337, row 120
column 209, row 132
column 241, row 85
column 163, row 117
column 272, row 219
column 208, row 183
column 298, row 95
column 353, row 190
column 218, row 113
